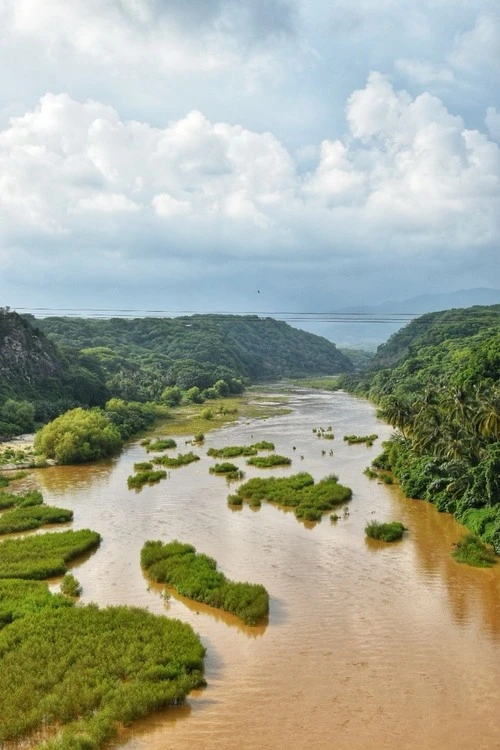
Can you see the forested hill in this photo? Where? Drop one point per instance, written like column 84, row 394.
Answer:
column 253, row 347
column 37, row 381
column 434, row 329
column 443, row 395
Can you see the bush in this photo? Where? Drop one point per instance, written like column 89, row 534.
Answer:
column 386, row 532
column 196, row 576
column 70, row 586
column 77, row 436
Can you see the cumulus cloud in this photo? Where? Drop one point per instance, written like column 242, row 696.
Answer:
column 408, row 175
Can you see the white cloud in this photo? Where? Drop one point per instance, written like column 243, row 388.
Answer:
column 424, row 72
column 479, row 47
column 409, row 178
column 492, row 121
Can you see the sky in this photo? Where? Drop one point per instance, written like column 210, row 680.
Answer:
column 247, row 155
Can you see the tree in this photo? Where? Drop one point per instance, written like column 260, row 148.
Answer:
column 77, row 436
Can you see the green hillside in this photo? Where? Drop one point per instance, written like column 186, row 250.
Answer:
column 442, row 393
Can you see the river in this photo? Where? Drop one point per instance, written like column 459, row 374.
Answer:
column 367, row 645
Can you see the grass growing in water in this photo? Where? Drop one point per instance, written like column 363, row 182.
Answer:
column 32, row 517
column 353, row 439
column 233, row 451
column 92, row 670
column 228, row 470
column 44, row 556
column 299, row 491
column 146, row 477
column 20, row 500
column 472, row 551
column 386, row 532
column 70, row 586
column 183, row 459
column 19, row 598
column 143, row 466
column 161, row 445
column 196, row 576
column 266, row 462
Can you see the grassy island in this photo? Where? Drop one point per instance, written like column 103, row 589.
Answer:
column 354, row 439
column 32, row 517
column 196, row 576
column 44, row 556
column 228, row 470
column 233, row 451
column 182, row 459
column 145, row 477
column 386, row 532
column 299, row 491
column 267, row 462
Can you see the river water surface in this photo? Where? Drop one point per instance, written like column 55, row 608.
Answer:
column 367, row 645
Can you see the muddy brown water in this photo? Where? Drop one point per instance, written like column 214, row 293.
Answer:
column 367, row 645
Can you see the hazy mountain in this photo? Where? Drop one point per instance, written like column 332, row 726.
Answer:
column 370, row 325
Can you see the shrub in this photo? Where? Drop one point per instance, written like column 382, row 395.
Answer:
column 386, row 532
column 143, row 466
column 77, row 436
column 207, row 413
column 20, row 500
column 196, row 576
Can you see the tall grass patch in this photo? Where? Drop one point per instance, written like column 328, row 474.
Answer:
column 309, row 499
column 196, row 576
column 86, row 671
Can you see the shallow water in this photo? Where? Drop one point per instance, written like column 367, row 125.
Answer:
column 367, row 645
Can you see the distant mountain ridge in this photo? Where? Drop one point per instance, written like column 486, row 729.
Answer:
column 369, row 334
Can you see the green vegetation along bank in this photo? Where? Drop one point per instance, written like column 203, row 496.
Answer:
column 437, row 381
column 196, row 576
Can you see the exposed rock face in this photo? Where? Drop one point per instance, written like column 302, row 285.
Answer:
column 27, row 358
